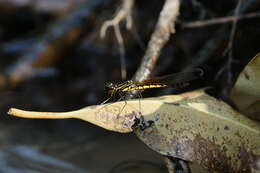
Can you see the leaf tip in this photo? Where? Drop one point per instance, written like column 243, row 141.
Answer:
column 11, row 111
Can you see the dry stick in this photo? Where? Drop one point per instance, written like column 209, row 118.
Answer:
column 229, row 49
column 124, row 13
column 164, row 27
column 121, row 51
column 65, row 33
column 203, row 23
column 232, row 34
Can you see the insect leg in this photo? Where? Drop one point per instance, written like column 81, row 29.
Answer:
column 106, row 100
column 140, row 97
column 122, row 96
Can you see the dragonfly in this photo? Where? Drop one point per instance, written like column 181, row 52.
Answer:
column 175, row 80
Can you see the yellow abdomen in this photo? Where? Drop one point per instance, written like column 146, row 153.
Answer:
column 143, row 87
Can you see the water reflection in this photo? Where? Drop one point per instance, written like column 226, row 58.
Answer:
column 23, row 159
column 30, row 146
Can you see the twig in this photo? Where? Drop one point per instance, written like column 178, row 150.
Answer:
column 124, row 13
column 231, row 40
column 229, row 51
column 163, row 29
column 203, row 23
column 213, row 44
column 233, row 31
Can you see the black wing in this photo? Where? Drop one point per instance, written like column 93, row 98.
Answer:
column 177, row 78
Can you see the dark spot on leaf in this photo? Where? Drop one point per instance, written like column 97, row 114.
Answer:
column 226, row 128
column 176, row 104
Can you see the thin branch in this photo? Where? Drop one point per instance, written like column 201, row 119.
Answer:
column 203, row 23
column 233, row 31
column 124, row 13
column 229, row 51
column 121, row 51
column 231, row 38
column 163, row 29
column 213, row 44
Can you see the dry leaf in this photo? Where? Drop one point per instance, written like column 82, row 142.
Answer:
column 118, row 117
column 205, row 131
column 192, row 126
column 246, row 92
